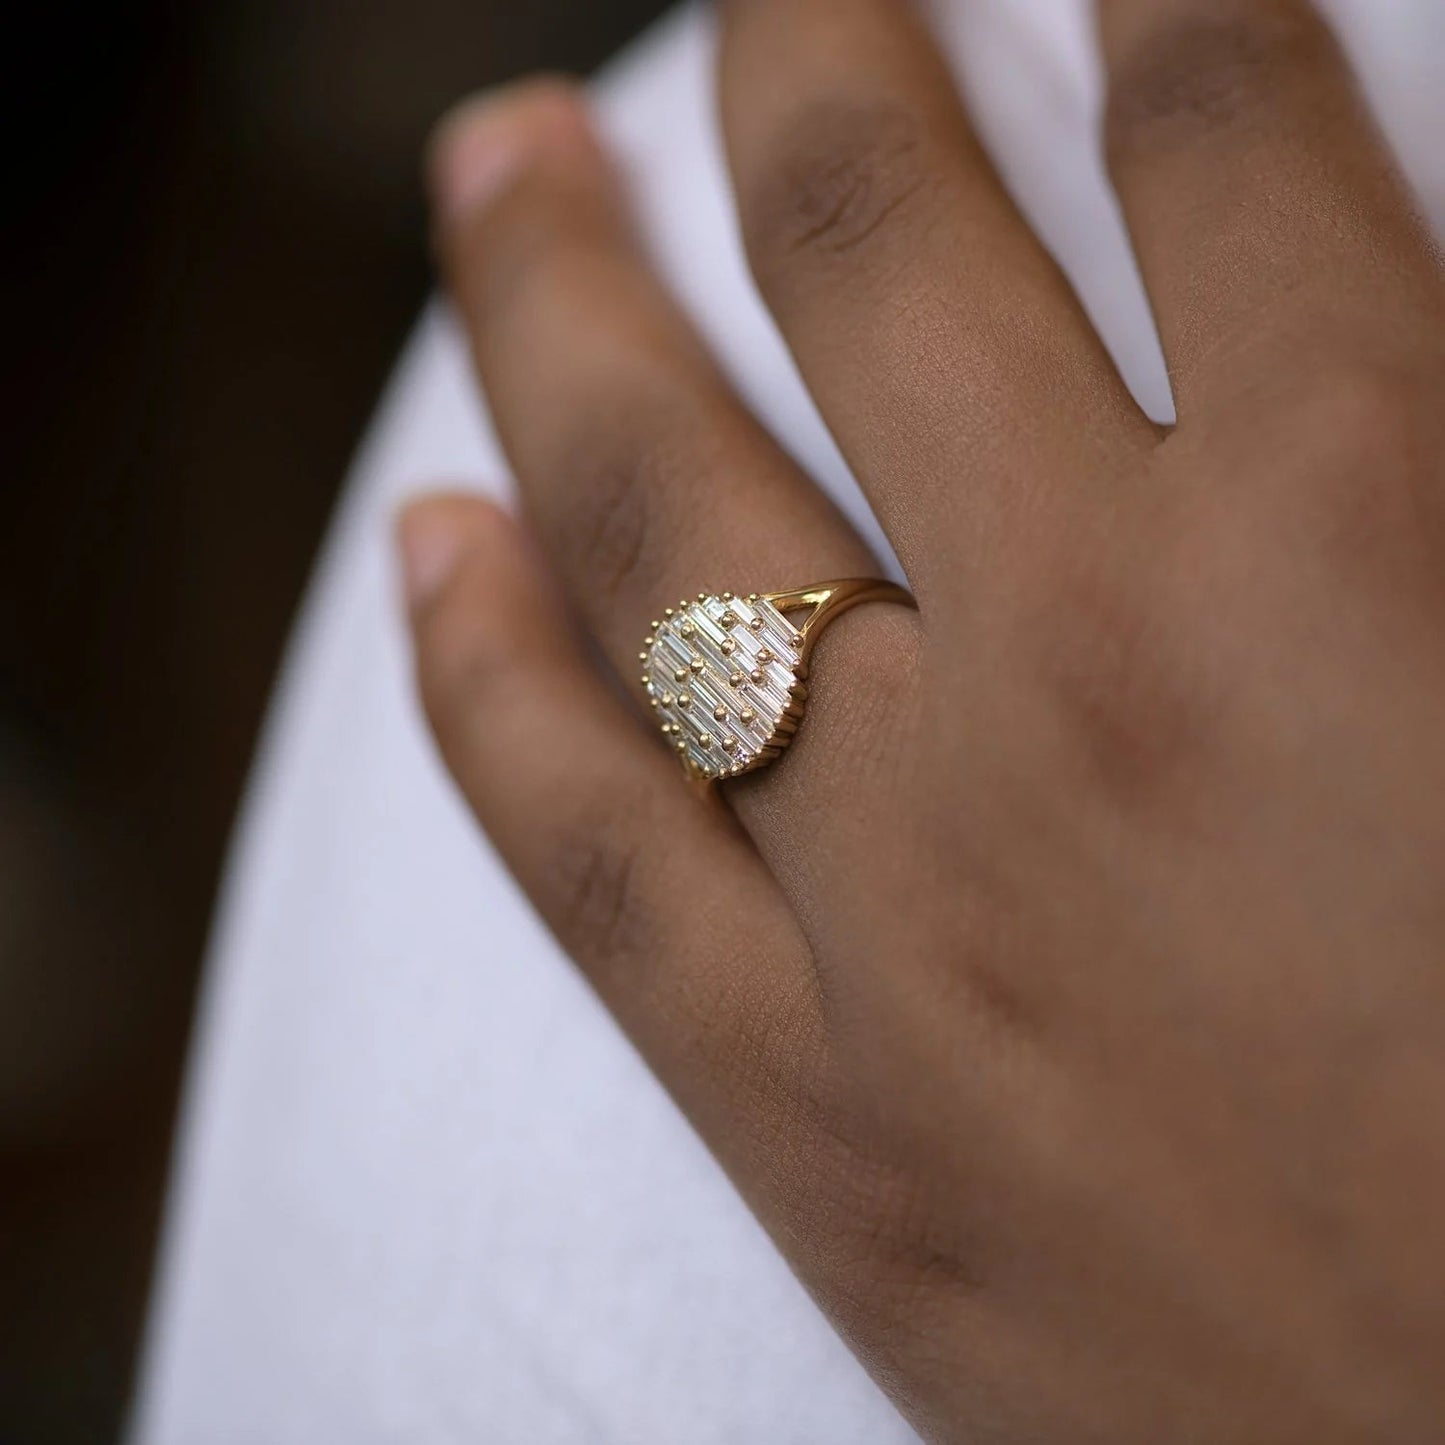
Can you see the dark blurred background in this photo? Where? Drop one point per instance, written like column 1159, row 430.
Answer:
column 218, row 248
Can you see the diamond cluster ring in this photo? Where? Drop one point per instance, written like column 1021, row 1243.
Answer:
column 726, row 675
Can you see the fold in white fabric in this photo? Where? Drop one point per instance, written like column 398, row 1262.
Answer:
column 425, row 1191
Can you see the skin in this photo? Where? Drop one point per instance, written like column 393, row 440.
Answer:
column 1069, row 1001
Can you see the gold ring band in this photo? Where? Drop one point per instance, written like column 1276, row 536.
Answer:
column 727, row 675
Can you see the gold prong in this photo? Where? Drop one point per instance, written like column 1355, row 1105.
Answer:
column 705, row 741
column 796, row 639
column 729, row 745
column 667, row 611
column 680, row 675
column 756, row 674
column 737, row 679
column 702, row 596
column 765, row 654
column 728, row 647
column 642, row 656
column 727, row 597
column 684, row 699
column 668, row 700
column 698, row 665
column 753, row 597
column 756, row 624
column 720, row 713
column 747, row 715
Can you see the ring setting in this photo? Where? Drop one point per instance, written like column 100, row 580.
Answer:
column 726, row 674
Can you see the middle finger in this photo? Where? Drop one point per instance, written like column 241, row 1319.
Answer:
column 945, row 349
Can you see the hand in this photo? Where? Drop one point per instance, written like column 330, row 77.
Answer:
column 1069, row 1002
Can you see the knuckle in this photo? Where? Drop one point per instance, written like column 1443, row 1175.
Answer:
column 768, row 1046
column 846, row 175
column 606, row 528
column 1204, row 69
column 1363, row 413
column 1355, row 478
column 898, row 1264
column 985, row 978
column 1128, row 675
column 610, row 512
column 597, row 909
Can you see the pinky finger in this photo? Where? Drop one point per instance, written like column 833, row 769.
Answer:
column 655, row 891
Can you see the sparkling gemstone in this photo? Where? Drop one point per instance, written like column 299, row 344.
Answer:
column 720, row 646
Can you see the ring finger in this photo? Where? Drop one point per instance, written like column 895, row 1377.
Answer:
column 643, row 475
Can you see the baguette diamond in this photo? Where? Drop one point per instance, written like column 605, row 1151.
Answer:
column 740, row 663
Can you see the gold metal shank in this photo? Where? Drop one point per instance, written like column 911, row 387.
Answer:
column 742, row 714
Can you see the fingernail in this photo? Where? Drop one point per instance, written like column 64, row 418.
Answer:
column 474, row 153
column 430, row 542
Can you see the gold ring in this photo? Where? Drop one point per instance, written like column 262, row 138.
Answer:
column 727, row 675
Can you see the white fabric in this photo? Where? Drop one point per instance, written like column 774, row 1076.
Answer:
column 426, row 1193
